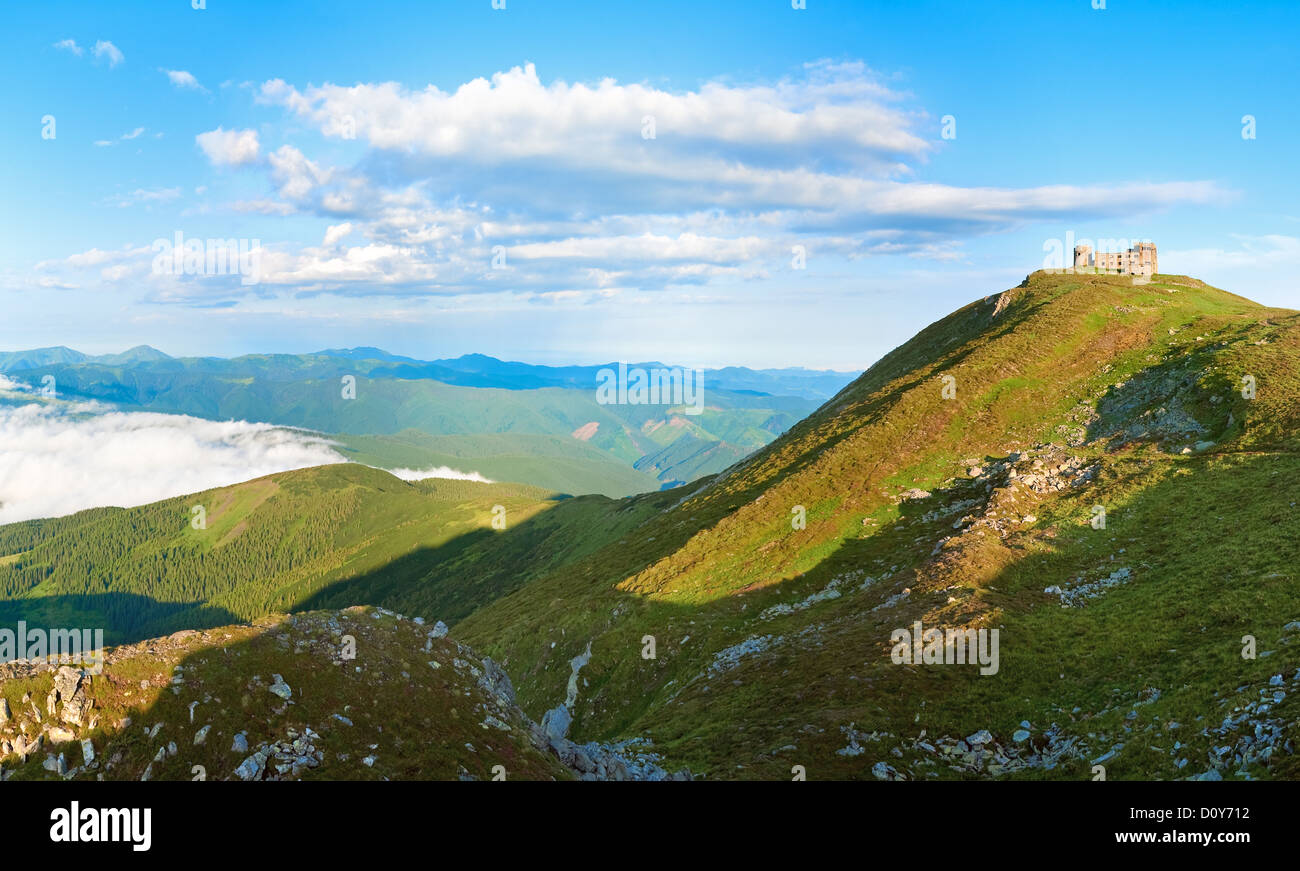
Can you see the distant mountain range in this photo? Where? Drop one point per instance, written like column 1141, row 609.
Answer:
column 16, row 361
column 468, row 370
column 508, row 421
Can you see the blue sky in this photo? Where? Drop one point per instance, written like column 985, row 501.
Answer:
column 443, row 178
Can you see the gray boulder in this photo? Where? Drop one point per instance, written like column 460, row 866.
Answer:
column 497, row 682
column 280, row 688
column 252, row 767
column 556, row 722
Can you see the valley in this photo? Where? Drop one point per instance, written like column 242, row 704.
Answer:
column 540, row 425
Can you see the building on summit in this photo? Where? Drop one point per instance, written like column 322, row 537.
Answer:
column 1138, row 260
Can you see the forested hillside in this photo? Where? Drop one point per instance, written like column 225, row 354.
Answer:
column 266, row 545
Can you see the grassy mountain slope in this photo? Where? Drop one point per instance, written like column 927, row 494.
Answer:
column 958, row 483
column 560, row 463
column 1106, row 382
column 688, row 458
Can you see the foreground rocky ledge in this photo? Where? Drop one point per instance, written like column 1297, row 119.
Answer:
column 359, row 694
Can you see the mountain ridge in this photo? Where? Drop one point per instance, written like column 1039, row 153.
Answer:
column 743, row 624
column 469, row 370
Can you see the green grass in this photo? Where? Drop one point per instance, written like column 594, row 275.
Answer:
column 707, row 567
column 1122, row 377
column 418, row 722
column 560, row 463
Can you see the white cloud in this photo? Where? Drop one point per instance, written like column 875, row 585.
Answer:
column 229, row 147
column 125, row 137
column 649, row 247
column 564, row 179
column 120, row 271
column 183, row 79
column 69, row 45
column 263, row 207
column 97, row 257
column 836, row 141
column 514, row 116
column 437, row 472
column 61, row 458
column 335, row 233
column 295, row 174
column 376, row 264
column 106, row 49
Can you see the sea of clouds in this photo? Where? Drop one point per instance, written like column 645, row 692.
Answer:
column 60, row 457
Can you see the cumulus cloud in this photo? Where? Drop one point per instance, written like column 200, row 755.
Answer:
column 335, row 233
column 296, row 176
column 58, row 458
column 548, row 189
column 514, row 116
column 835, row 139
column 69, row 45
column 229, row 147
column 438, row 472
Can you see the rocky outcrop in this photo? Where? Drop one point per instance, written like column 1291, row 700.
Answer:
column 286, row 759
column 189, row 668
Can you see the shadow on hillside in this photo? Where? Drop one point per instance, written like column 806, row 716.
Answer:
column 124, row 618
column 451, row 580
column 412, row 570
column 1211, row 557
column 172, row 711
column 1175, row 392
column 483, row 568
